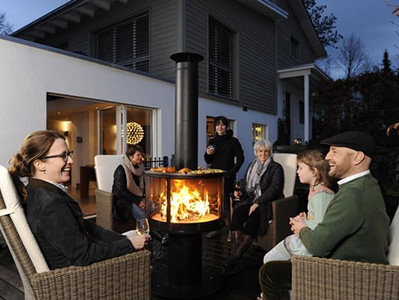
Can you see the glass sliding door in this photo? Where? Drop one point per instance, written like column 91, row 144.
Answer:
column 108, row 131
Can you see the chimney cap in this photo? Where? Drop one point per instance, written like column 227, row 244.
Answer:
column 187, row 57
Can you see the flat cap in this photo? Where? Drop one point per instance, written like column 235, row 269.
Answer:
column 356, row 140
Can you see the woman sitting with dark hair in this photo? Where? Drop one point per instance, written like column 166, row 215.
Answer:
column 55, row 219
column 128, row 187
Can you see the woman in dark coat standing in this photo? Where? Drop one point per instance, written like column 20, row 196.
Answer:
column 224, row 152
column 262, row 184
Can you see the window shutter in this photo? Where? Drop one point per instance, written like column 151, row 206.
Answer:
column 220, row 59
column 126, row 43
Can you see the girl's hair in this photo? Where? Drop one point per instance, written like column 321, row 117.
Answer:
column 263, row 144
column 315, row 160
column 34, row 146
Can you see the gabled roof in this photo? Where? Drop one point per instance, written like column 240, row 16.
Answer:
column 308, row 28
column 74, row 10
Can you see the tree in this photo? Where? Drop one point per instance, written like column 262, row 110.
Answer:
column 386, row 63
column 352, row 59
column 5, row 26
column 323, row 24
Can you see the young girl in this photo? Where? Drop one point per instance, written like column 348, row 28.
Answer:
column 313, row 170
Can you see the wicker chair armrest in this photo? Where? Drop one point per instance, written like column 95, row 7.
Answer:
column 104, row 209
column 320, row 278
column 283, row 209
column 124, row 277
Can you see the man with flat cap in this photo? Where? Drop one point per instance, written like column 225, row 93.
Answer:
column 355, row 226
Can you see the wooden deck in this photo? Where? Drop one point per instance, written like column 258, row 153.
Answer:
column 241, row 286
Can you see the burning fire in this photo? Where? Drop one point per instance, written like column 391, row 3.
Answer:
column 186, row 203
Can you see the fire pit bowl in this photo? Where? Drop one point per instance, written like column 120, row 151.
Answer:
column 185, row 206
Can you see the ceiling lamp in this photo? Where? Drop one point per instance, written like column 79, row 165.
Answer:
column 135, row 133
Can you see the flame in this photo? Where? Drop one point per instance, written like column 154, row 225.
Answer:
column 186, row 203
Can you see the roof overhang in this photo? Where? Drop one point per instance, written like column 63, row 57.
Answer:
column 61, row 17
column 298, row 71
column 308, row 28
column 266, row 8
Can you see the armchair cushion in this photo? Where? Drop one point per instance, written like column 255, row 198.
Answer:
column 14, row 208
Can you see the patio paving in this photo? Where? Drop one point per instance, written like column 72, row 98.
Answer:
column 241, row 286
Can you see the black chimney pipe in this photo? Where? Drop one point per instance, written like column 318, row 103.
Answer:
column 186, row 131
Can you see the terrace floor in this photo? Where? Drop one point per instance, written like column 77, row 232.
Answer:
column 241, row 286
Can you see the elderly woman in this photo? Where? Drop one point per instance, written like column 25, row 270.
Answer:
column 262, row 183
column 55, row 219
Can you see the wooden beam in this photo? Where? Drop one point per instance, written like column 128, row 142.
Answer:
column 47, row 28
column 101, row 4
column 72, row 17
column 86, row 11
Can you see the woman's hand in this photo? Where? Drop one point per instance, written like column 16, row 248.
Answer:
column 253, row 208
column 297, row 224
column 210, row 150
column 142, row 204
column 139, row 241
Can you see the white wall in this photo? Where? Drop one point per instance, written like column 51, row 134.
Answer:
column 28, row 73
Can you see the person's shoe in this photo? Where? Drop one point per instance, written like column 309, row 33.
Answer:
column 229, row 237
column 213, row 233
column 164, row 240
column 232, row 265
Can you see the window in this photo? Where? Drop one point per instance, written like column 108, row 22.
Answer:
column 301, row 112
column 258, row 132
column 294, row 48
column 125, row 43
column 220, row 77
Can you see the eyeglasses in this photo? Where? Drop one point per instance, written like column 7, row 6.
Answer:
column 63, row 155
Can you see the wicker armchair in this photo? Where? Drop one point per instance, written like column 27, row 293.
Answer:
column 125, row 277
column 329, row 279
column 283, row 209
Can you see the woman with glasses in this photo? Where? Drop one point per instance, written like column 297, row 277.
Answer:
column 55, row 219
column 263, row 182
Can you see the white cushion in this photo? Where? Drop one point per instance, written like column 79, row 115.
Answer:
column 17, row 214
column 393, row 255
column 289, row 163
column 105, row 166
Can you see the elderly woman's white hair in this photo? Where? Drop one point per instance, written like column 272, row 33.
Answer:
column 263, row 144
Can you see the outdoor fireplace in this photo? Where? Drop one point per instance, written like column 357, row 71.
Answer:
column 185, row 204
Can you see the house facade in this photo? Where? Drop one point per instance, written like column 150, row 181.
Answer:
column 96, row 69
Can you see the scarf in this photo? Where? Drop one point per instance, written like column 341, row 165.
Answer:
column 130, row 170
column 254, row 174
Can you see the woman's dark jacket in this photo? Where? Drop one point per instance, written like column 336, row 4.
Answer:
column 64, row 237
column 227, row 148
column 123, row 199
column 271, row 185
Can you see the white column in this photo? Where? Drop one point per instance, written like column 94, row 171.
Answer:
column 306, row 108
